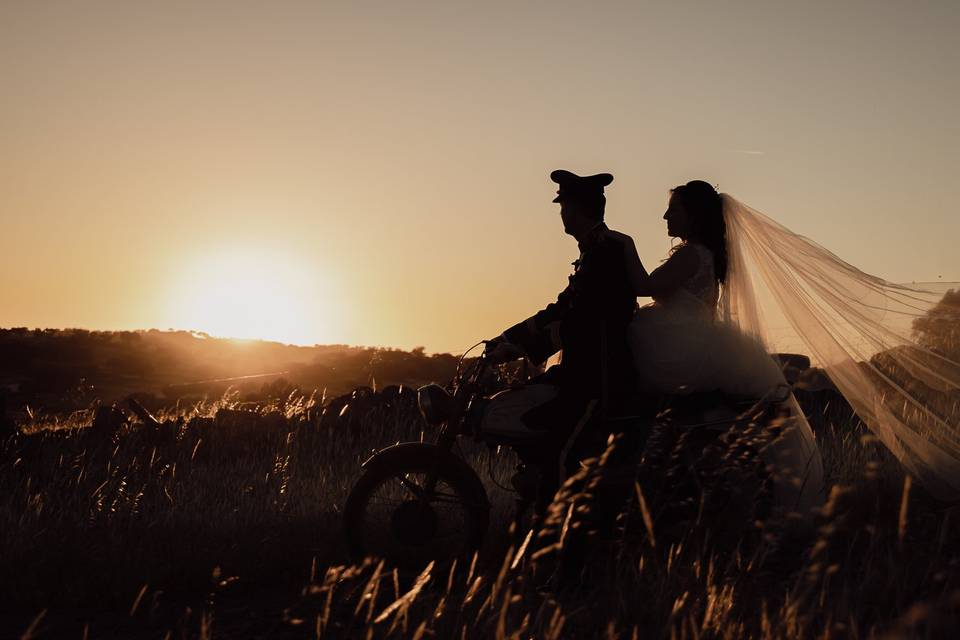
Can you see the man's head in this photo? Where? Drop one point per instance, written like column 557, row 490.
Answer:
column 581, row 199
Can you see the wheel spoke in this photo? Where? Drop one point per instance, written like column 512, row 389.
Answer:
column 386, row 503
column 412, row 487
column 392, row 525
column 434, row 496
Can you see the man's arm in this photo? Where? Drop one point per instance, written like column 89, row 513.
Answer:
column 539, row 335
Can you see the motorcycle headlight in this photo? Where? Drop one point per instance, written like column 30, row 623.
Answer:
column 436, row 405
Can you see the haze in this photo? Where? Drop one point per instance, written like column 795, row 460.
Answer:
column 376, row 173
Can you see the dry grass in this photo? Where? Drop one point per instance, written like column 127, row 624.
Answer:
column 207, row 528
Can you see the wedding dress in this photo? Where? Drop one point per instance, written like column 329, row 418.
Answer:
column 892, row 350
column 681, row 345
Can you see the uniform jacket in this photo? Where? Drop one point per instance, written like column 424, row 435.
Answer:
column 588, row 322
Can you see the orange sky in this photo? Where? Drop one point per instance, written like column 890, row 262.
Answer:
column 377, row 173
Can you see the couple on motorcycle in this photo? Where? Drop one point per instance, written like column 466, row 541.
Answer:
column 619, row 360
column 887, row 347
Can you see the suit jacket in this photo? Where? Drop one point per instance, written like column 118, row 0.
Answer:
column 588, row 322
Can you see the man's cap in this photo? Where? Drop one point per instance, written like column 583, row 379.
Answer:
column 574, row 187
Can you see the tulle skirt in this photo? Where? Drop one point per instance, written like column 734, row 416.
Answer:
column 679, row 347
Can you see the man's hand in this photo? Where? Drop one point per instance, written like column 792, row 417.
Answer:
column 499, row 351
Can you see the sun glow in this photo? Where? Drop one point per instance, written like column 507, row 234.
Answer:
column 249, row 294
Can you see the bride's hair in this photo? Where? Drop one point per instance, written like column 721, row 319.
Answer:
column 705, row 209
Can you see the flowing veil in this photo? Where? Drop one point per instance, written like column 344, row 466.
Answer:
column 892, row 350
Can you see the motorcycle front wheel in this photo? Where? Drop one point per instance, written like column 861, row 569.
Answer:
column 392, row 513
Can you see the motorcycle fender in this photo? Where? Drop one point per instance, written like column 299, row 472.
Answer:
column 430, row 452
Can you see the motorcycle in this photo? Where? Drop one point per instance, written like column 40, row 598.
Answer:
column 420, row 501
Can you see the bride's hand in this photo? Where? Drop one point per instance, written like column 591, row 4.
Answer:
column 666, row 278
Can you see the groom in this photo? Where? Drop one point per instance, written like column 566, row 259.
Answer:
column 588, row 322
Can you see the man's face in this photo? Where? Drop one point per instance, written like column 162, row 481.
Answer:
column 575, row 217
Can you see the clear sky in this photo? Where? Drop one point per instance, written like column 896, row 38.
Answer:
column 377, row 172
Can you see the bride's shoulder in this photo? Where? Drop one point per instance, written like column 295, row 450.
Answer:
column 689, row 257
column 701, row 250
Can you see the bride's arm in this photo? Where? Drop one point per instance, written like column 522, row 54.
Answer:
column 666, row 278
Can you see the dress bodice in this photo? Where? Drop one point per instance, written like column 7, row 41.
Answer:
column 699, row 294
column 703, row 284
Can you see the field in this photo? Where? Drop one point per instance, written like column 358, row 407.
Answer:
column 217, row 524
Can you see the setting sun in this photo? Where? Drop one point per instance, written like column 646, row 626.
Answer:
column 242, row 293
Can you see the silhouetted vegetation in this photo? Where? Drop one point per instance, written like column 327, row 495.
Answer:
column 69, row 369
column 939, row 329
column 212, row 510
column 221, row 519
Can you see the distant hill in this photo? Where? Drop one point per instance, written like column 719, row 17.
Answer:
column 75, row 365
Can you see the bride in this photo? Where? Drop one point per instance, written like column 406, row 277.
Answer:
column 891, row 350
column 680, row 344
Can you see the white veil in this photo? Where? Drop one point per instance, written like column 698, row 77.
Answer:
column 893, row 351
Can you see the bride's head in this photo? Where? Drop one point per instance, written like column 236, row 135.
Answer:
column 695, row 214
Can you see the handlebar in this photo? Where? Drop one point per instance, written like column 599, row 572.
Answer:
column 478, row 368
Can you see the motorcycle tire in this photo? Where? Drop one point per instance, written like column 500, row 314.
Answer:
column 410, row 533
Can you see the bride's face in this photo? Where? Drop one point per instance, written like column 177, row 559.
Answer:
column 677, row 218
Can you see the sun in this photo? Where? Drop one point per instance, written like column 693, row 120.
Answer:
column 246, row 293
